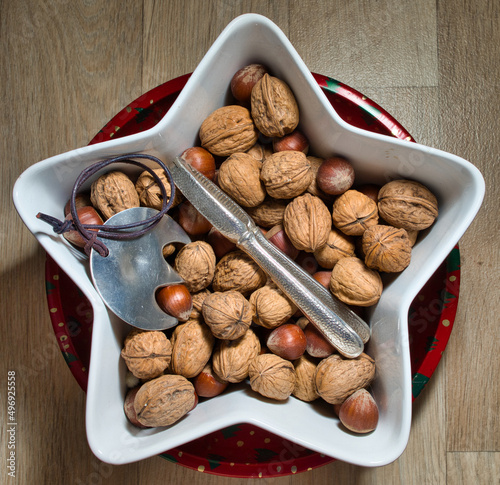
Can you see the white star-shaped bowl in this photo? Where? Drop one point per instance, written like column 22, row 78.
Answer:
column 46, row 186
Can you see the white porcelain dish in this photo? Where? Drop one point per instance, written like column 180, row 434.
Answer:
column 45, row 187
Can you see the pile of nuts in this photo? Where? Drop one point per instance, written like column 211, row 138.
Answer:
column 236, row 325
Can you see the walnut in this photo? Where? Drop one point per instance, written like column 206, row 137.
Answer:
column 354, row 283
column 149, row 191
column 337, row 378
column 353, row 212
column 192, row 345
column 286, row 174
column 269, row 213
column 113, row 192
column 198, row 299
column 412, row 235
column 271, row 307
column 272, row 377
column 238, row 271
column 307, row 222
column 228, row 314
column 232, row 357
column 147, row 354
column 228, row 130
column 195, row 263
column 260, row 151
column 407, row 204
column 305, row 370
column 239, row 177
column 164, row 400
column 386, row 248
column 274, row 108
column 338, row 245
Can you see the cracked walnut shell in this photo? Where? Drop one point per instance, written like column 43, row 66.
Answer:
column 228, row 130
column 164, row 400
column 354, row 283
column 192, row 345
column 231, row 358
column 386, row 248
column 274, row 107
column 353, row 212
column 228, row 314
column 238, row 271
column 286, row 174
column 407, row 204
column 337, row 378
column 272, row 376
column 113, row 192
column 239, row 177
column 307, row 222
column 195, row 263
column 146, row 354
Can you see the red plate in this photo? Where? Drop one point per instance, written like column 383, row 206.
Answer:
column 244, row 450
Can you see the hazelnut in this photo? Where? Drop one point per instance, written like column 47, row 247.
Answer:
column 245, row 79
column 335, row 176
column 288, row 341
column 192, row 221
column 220, row 243
column 370, row 190
column 359, row 412
column 86, row 215
column 176, row 301
column 279, row 238
column 316, row 343
column 81, row 200
column 129, row 409
column 200, row 159
column 323, row 277
column 207, row 384
column 295, row 141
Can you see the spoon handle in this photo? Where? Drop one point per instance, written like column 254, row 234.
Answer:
column 332, row 317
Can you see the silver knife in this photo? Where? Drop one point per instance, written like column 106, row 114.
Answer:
column 345, row 330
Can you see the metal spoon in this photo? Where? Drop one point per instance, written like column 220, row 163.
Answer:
column 127, row 279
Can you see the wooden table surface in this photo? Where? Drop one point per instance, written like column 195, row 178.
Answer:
column 68, row 66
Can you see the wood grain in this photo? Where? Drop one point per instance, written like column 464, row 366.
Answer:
column 68, row 66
